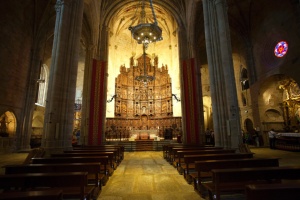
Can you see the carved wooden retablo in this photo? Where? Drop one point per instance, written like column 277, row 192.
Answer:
column 143, row 106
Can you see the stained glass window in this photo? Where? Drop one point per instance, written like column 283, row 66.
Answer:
column 281, row 49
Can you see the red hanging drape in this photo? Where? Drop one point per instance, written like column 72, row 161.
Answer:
column 191, row 102
column 97, row 103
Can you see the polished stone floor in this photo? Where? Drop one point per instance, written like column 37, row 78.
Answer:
column 145, row 175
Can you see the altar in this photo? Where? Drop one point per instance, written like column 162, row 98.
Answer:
column 143, row 134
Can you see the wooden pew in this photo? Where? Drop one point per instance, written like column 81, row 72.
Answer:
column 73, row 184
column 91, row 154
column 166, row 148
column 235, row 179
column 170, row 157
column 179, row 154
column 116, row 150
column 189, row 161
column 169, row 149
column 116, row 157
column 203, row 168
column 93, row 170
column 273, row 191
column 32, row 195
column 104, row 160
column 120, row 148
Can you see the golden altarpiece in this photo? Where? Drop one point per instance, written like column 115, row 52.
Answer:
column 143, row 110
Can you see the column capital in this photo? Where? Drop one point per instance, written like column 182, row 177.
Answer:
column 218, row 1
column 61, row 3
column 58, row 5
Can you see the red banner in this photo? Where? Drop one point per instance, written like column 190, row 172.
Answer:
column 97, row 103
column 191, row 102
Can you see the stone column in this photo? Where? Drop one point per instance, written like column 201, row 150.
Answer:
column 191, row 93
column 59, row 114
column 254, row 91
column 222, row 81
column 213, row 62
column 103, row 55
column 234, row 129
column 23, row 141
column 90, row 54
column 96, row 94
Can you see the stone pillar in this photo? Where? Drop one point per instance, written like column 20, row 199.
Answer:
column 254, row 91
column 59, row 114
column 213, row 62
column 191, row 93
column 23, row 139
column 90, row 54
column 223, row 88
column 103, row 55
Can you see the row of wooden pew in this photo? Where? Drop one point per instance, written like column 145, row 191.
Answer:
column 215, row 171
column 76, row 174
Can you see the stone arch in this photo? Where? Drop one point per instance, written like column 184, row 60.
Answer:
column 248, row 124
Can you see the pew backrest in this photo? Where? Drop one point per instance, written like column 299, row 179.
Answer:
column 172, row 149
column 110, row 156
column 120, row 148
column 272, row 191
column 51, row 180
column 117, row 153
column 90, row 168
column 237, row 178
column 260, row 173
column 104, row 160
column 205, row 167
column 32, row 195
column 181, row 153
column 191, row 159
column 167, row 149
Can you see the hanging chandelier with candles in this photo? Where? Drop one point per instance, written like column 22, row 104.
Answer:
column 145, row 33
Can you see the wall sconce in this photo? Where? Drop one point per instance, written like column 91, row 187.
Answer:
column 108, row 101
column 175, row 97
column 40, row 81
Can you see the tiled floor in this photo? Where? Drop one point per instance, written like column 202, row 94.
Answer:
column 147, row 176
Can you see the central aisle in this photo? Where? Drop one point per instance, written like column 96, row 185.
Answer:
column 145, row 175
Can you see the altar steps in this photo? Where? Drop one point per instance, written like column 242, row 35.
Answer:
column 145, row 145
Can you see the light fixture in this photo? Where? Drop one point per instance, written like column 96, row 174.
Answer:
column 176, row 98
column 145, row 33
column 108, row 101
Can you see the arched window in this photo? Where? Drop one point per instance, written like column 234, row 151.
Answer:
column 42, row 86
column 244, row 79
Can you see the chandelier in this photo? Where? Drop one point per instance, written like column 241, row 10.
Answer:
column 145, row 33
